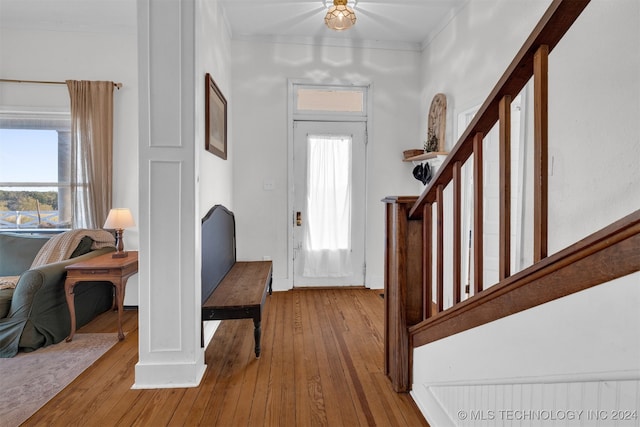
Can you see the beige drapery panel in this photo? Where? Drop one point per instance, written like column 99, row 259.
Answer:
column 91, row 151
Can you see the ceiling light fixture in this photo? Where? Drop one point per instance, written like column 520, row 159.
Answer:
column 340, row 16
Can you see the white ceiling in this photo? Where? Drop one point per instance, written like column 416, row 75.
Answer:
column 405, row 24
column 396, row 23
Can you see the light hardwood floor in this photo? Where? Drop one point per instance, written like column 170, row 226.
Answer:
column 321, row 365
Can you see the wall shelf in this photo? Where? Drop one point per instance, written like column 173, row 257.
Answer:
column 425, row 156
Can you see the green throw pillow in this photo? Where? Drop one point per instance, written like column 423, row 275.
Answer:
column 84, row 247
column 5, row 302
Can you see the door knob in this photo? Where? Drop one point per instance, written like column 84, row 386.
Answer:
column 298, row 218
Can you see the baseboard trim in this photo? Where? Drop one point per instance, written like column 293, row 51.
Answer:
column 168, row 375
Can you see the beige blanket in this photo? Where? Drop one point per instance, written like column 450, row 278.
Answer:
column 8, row 282
column 61, row 246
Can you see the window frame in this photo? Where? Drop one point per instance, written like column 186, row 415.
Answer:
column 59, row 121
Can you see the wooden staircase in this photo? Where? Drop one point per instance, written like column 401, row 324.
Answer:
column 415, row 314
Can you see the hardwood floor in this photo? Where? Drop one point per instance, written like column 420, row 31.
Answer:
column 321, row 365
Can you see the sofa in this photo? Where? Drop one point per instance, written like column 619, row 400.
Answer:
column 35, row 313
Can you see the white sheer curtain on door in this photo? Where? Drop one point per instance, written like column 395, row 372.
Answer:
column 327, row 229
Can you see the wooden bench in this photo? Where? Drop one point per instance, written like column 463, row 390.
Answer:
column 230, row 289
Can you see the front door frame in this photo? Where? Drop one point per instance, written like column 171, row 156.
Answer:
column 335, row 117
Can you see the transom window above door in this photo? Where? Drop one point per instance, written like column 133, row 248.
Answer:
column 330, row 99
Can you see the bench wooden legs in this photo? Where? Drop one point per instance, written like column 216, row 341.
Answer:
column 257, row 331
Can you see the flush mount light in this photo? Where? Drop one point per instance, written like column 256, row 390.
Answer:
column 340, row 16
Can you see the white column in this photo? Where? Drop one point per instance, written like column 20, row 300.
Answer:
column 170, row 354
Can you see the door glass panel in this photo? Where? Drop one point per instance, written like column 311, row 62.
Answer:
column 328, row 226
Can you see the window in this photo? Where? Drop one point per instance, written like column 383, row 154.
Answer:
column 350, row 101
column 35, row 151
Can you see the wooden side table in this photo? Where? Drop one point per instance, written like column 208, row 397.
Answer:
column 102, row 268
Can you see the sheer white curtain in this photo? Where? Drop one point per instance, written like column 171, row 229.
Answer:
column 327, row 229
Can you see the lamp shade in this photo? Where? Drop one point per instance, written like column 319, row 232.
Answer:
column 119, row 218
column 340, row 16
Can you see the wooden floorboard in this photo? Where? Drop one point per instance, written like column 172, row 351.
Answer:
column 321, row 365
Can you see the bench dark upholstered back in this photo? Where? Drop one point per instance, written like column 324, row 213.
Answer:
column 218, row 247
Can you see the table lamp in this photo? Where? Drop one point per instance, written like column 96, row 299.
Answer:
column 118, row 220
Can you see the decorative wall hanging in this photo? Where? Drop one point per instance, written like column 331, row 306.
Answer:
column 216, row 119
column 436, row 121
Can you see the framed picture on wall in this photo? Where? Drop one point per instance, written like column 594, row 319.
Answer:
column 216, row 119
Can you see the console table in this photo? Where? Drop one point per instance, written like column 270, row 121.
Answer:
column 103, row 268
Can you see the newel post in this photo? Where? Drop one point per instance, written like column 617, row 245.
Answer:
column 402, row 288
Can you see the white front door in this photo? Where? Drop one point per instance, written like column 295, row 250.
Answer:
column 329, row 203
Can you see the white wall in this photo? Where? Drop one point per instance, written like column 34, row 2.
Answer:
column 259, row 86
column 213, row 57
column 594, row 131
column 576, row 353
column 58, row 55
column 213, row 48
column 591, row 337
column 470, row 54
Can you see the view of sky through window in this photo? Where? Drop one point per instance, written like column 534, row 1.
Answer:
column 28, row 155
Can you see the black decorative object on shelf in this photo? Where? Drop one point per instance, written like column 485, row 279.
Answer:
column 422, row 173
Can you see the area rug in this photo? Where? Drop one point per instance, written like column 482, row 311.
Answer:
column 29, row 380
